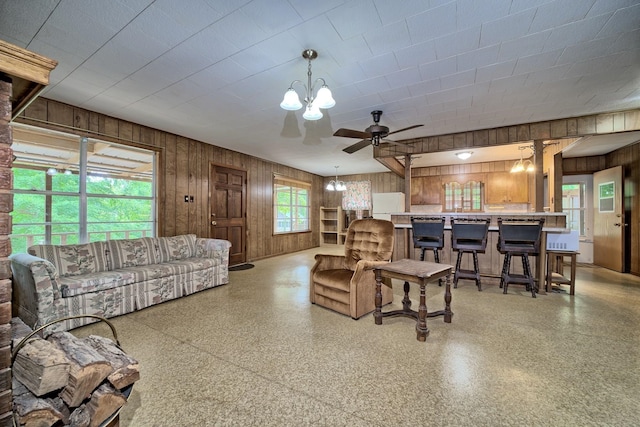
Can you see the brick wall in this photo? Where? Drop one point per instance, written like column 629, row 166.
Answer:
column 6, row 206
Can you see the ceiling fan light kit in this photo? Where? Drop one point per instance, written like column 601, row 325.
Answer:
column 323, row 99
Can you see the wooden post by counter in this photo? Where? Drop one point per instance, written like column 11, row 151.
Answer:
column 538, row 177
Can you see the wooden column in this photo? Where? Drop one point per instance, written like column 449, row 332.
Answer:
column 407, row 183
column 556, row 206
column 538, row 178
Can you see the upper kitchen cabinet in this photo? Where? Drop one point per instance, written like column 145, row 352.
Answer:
column 426, row 190
column 506, row 187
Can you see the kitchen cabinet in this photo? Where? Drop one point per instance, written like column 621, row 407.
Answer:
column 507, row 187
column 426, row 190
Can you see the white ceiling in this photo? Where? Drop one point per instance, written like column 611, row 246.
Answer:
column 216, row 70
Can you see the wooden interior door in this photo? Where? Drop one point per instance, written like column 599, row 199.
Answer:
column 608, row 219
column 228, row 209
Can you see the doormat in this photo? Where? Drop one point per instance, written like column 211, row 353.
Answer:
column 241, row 267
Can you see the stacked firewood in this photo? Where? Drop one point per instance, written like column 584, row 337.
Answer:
column 70, row 381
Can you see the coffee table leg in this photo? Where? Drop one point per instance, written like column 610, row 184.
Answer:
column 447, row 300
column 378, row 312
column 421, row 326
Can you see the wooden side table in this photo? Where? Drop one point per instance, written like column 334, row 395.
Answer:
column 555, row 273
column 420, row 272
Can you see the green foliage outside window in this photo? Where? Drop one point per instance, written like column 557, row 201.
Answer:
column 291, row 208
column 46, row 209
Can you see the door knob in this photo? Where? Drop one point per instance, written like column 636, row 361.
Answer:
column 215, row 223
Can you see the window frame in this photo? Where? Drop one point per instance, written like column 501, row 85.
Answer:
column 457, row 204
column 84, row 229
column 582, row 210
column 295, row 188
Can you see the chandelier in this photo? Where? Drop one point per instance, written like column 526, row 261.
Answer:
column 523, row 165
column 323, row 99
column 335, row 185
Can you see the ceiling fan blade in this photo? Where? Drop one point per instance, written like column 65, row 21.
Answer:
column 402, row 130
column 350, row 133
column 357, row 146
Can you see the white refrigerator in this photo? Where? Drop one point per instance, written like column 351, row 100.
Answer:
column 385, row 204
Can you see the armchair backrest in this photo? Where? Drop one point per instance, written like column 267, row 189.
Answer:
column 369, row 239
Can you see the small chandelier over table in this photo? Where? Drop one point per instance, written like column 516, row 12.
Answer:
column 523, row 165
column 335, row 185
column 323, row 99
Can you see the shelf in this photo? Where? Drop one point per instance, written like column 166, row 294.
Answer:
column 331, row 226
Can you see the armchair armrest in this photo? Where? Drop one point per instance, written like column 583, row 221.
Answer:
column 328, row 262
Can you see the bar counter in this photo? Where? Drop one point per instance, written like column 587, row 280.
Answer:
column 490, row 262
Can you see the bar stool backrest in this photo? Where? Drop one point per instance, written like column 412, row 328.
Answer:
column 428, row 232
column 469, row 234
column 520, row 235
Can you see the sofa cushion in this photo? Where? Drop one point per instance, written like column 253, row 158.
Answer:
column 78, row 285
column 74, row 260
column 131, row 252
column 176, row 247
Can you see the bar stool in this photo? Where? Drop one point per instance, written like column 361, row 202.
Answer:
column 519, row 237
column 428, row 233
column 468, row 235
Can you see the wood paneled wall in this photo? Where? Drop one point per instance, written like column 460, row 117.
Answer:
column 183, row 169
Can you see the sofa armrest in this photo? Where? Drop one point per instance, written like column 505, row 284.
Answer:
column 34, row 287
column 213, row 248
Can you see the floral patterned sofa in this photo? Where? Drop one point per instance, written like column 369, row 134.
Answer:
column 113, row 277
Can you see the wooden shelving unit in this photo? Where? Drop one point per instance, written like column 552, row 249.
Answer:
column 332, row 230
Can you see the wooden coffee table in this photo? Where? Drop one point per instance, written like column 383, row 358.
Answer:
column 420, row 272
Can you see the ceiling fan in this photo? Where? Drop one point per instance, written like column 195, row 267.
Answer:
column 371, row 135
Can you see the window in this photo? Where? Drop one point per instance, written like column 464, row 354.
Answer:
column 68, row 189
column 290, row 205
column 465, row 197
column 573, row 204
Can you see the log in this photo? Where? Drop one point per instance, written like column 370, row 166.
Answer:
column 80, row 417
column 41, row 367
column 86, row 371
column 19, row 330
column 105, row 401
column 31, row 410
column 126, row 370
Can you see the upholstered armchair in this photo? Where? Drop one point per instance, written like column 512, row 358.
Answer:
column 346, row 284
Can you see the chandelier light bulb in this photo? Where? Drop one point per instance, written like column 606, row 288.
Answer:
column 312, row 113
column 291, row 101
column 324, row 99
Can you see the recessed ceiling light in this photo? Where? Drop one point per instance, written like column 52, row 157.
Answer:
column 464, row 155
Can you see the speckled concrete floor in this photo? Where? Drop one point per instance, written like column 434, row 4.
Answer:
column 255, row 352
